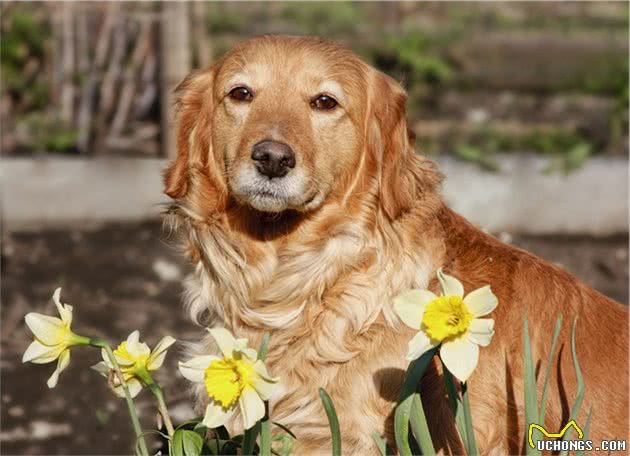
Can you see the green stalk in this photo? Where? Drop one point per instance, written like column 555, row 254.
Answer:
column 419, row 426
column 543, row 400
column 159, row 395
column 133, row 413
column 472, row 443
column 333, row 421
column 265, row 438
column 456, row 405
column 532, row 413
column 401, row 426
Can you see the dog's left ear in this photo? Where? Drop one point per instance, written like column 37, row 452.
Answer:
column 391, row 144
column 196, row 172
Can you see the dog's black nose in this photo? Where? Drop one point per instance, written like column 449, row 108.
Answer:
column 273, row 159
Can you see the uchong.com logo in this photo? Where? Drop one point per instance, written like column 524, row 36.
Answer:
column 579, row 444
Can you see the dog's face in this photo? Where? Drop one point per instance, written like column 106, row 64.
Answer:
column 283, row 123
column 287, row 122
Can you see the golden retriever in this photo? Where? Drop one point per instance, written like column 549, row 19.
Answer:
column 305, row 210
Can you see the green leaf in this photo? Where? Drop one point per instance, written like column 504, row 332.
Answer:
column 195, row 422
column 543, row 400
column 380, row 443
column 531, row 396
column 419, row 426
column 414, row 374
column 456, row 405
column 221, row 432
column 586, row 428
column 401, row 426
column 333, row 421
column 186, row 443
column 472, row 443
column 415, row 371
column 265, row 438
column 217, row 446
column 249, row 438
column 287, row 444
column 579, row 395
column 264, row 345
column 285, row 429
column 137, row 449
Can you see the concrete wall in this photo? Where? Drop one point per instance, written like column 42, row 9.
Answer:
column 521, row 198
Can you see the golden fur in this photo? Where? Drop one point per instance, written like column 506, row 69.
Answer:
column 320, row 273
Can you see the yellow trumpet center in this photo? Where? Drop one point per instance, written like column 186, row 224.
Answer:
column 446, row 317
column 138, row 361
column 226, row 378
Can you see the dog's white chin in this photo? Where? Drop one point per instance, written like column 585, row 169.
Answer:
column 267, row 203
column 272, row 195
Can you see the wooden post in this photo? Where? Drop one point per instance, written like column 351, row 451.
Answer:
column 176, row 64
column 200, row 32
column 68, row 56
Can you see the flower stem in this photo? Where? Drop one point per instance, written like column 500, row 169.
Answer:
column 159, row 395
column 133, row 413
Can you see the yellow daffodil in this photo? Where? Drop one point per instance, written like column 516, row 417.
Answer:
column 53, row 338
column 135, row 359
column 237, row 378
column 450, row 320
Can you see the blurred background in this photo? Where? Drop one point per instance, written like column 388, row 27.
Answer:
column 524, row 105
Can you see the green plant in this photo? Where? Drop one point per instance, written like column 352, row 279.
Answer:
column 324, row 18
column 42, row 131
column 23, row 49
column 241, row 371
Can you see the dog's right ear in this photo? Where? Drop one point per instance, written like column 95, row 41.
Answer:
column 193, row 123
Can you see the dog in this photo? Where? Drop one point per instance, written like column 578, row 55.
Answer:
column 300, row 201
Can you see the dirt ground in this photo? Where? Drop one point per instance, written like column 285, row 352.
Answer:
column 122, row 277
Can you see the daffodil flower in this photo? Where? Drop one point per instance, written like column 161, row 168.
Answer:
column 450, row 320
column 135, row 359
column 53, row 338
column 237, row 378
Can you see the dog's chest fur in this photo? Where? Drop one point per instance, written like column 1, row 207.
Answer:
column 326, row 301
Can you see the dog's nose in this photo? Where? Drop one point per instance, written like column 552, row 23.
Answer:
column 273, row 159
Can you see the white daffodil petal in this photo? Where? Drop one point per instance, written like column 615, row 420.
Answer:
column 64, row 360
column 481, row 331
column 194, row 369
column 225, row 340
column 250, row 353
column 135, row 347
column 410, row 305
column 460, row 356
column 101, row 368
column 216, row 415
column 450, row 285
column 156, row 359
column 252, row 407
column 418, row 345
column 65, row 311
column 261, row 370
column 49, row 330
column 481, row 302
column 106, row 360
column 133, row 385
column 264, row 384
column 240, row 344
column 39, row 353
column 123, row 362
column 264, row 388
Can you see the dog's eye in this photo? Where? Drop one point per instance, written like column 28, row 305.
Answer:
column 241, row 94
column 323, row 102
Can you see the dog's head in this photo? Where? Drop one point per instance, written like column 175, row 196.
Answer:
column 289, row 123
